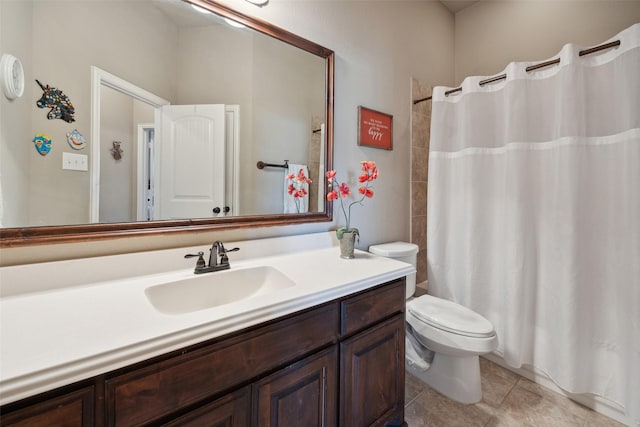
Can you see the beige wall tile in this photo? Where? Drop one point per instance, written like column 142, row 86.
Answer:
column 419, row 89
column 419, row 164
column 419, row 199
column 421, row 274
column 420, row 133
column 419, row 130
column 419, row 231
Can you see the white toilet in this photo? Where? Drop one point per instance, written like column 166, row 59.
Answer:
column 456, row 334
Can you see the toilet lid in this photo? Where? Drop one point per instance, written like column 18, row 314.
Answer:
column 450, row 317
column 394, row 249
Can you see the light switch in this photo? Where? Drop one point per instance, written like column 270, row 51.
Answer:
column 75, row 162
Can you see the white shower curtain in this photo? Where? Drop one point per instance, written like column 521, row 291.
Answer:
column 534, row 215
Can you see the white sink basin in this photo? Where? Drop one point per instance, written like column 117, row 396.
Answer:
column 213, row 289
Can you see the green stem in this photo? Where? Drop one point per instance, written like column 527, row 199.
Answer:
column 343, row 211
column 347, row 217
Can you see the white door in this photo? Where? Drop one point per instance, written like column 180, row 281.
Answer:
column 190, row 158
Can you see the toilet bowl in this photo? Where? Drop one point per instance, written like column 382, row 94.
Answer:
column 456, row 334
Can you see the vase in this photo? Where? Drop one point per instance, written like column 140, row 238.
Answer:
column 347, row 245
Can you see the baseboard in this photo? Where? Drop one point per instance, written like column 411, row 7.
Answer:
column 598, row 404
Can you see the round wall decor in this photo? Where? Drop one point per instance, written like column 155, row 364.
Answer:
column 11, row 76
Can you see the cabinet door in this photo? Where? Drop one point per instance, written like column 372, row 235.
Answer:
column 231, row 410
column 303, row 394
column 69, row 410
column 372, row 376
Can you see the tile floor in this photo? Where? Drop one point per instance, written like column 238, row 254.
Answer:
column 508, row 400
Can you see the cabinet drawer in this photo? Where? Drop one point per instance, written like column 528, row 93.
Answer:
column 73, row 409
column 231, row 410
column 158, row 390
column 365, row 309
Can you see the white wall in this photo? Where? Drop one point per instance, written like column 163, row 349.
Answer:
column 15, row 125
column 490, row 34
column 117, row 176
column 379, row 46
column 37, row 190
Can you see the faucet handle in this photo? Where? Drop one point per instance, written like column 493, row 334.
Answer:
column 224, row 259
column 200, row 263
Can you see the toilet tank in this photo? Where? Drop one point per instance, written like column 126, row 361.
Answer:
column 402, row 251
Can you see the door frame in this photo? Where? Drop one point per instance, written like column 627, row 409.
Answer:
column 232, row 161
column 101, row 78
column 145, row 171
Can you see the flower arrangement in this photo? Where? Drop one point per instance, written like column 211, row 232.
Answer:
column 341, row 191
column 297, row 187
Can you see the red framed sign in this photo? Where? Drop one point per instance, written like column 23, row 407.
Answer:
column 375, row 129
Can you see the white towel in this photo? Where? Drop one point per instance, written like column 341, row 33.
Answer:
column 289, row 200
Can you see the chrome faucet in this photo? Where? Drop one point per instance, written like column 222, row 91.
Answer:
column 217, row 249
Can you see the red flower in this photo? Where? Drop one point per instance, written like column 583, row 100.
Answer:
column 344, row 190
column 333, row 195
column 367, row 192
column 301, row 177
column 291, row 189
column 290, row 176
column 374, row 174
column 368, row 165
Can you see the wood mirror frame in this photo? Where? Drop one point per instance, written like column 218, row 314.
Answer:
column 14, row 237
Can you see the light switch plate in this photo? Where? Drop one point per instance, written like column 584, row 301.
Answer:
column 75, row 162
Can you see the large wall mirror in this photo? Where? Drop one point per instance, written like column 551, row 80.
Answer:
column 193, row 115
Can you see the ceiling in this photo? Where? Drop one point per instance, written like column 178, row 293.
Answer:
column 457, row 5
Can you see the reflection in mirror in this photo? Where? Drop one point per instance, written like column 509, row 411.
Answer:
column 272, row 101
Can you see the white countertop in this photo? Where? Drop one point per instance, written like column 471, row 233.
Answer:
column 52, row 335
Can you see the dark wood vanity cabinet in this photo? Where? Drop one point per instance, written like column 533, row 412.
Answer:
column 339, row 363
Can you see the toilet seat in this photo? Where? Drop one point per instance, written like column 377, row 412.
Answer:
column 450, row 317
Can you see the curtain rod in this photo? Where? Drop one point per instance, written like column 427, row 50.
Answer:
column 529, row 68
